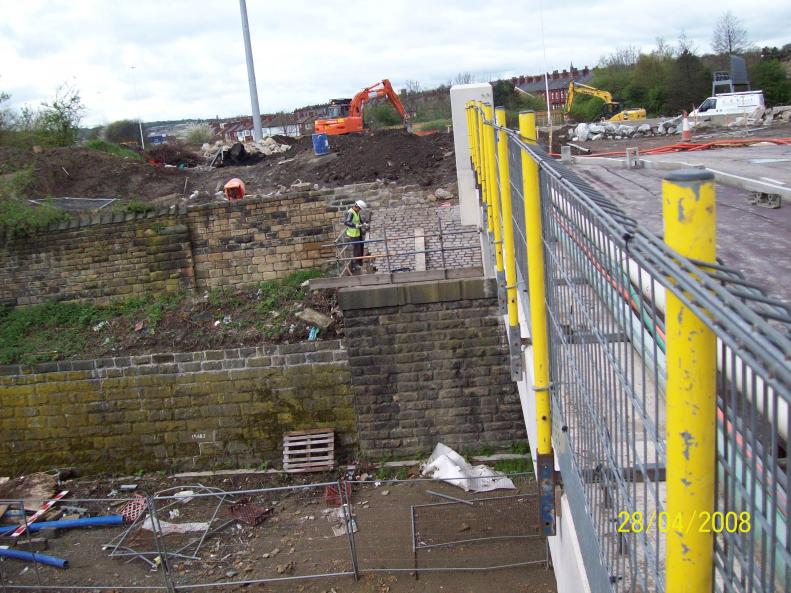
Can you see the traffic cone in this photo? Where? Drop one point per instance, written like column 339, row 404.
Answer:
column 686, row 132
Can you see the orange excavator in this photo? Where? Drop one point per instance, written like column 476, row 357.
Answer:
column 345, row 116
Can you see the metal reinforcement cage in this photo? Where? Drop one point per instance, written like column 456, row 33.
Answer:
column 661, row 377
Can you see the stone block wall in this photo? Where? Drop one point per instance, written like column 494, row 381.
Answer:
column 96, row 259
column 429, row 364
column 204, row 410
column 115, row 255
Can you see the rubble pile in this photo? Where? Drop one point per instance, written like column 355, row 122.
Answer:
column 617, row 131
column 584, row 132
column 267, row 146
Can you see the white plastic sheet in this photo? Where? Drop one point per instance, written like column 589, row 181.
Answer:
column 445, row 464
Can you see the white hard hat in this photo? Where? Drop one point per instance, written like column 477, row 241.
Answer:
column 360, row 204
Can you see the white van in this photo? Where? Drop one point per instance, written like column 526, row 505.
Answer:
column 731, row 104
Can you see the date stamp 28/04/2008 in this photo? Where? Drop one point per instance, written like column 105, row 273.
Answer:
column 702, row 522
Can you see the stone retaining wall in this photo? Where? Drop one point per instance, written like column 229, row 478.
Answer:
column 429, row 363
column 202, row 410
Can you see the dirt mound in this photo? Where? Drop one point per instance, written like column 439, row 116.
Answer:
column 85, row 173
column 393, row 156
column 173, row 154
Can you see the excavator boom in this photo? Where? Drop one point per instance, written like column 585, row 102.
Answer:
column 613, row 108
column 354, row 121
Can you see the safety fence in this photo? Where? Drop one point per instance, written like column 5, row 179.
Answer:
column 661, row 377
column 394, row 253
column 196, row 537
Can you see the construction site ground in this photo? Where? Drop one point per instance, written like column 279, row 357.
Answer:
column 394, row 156
column 297, row 539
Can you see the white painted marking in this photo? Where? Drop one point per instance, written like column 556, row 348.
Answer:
column 765, row 161
column 770, row 180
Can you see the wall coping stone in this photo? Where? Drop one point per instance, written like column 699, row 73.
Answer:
column 276, row 355
column 374, row 297
column 88, row 220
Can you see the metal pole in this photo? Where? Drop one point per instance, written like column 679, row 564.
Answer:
column 441, row 242
column 538, row 322
column 387, row 252
column 248, row 52
column 514, row 333
column 139, row 120
column 689, row 204
column 491, row 179
column 484, row 173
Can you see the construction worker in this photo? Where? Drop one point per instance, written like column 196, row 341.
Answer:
column 355, row 233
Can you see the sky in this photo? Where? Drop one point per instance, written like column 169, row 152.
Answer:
column 179, row 59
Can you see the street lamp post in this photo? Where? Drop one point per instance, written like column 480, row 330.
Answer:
column 139, row 121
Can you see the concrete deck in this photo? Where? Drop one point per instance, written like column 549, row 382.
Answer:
column 752, row 239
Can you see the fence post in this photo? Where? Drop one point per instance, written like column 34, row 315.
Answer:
column 688, row 204
column 494, row 202
column 509, row 256
column 538, row 323
column 483, row 173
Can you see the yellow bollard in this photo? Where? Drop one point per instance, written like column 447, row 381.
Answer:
column 536, row 284
column 688, row 200
column 491, row 180
column 508, row 224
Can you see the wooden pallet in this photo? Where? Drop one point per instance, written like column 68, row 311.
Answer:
column 309, row 451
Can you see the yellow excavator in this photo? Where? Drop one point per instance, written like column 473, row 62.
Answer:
column 612, row 109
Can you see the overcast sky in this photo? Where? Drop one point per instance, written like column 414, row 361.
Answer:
column 174, row 59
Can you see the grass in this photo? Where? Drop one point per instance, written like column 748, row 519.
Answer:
column 274, row 294
column 514, row 466
column 111, row 148
column 133, row 207
column 58, row 330
column 439, row 125
column 18, row 217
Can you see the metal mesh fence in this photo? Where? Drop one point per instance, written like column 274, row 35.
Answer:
column 606, row 284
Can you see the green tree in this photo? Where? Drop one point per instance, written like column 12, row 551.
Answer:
column 649, row 80
column 122, row 130
column 198, row 134
column 4, row 113
column 688, row 82
column 58, row 123
column 771, row 78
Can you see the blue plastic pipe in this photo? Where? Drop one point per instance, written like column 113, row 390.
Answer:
column 34, row 557
column 69, row 523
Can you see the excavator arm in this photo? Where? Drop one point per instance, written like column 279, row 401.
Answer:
column 380, row 89
column 354, row 121
column 576, row 87
column 612, row 108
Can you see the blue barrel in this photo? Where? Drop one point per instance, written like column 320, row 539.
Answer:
column 321, row 144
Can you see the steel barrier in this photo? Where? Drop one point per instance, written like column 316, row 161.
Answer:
column 668, row 381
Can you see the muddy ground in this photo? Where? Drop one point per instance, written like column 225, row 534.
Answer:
column 297, row 539
column 394, row 156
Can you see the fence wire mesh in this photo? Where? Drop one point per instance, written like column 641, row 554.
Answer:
column 606, row 282
column 195, row 537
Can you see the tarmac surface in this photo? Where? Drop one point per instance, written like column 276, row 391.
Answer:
column 752, row 239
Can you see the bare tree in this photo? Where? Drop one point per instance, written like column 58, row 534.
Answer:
column 685, row 45
column 730, row 37
column 622, row 57
column 412, row 86
column 663, row 48
column 464, row 78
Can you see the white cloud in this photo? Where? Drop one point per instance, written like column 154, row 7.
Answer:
column 188, row 56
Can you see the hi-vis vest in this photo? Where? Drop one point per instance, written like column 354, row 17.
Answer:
column 350, row 232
